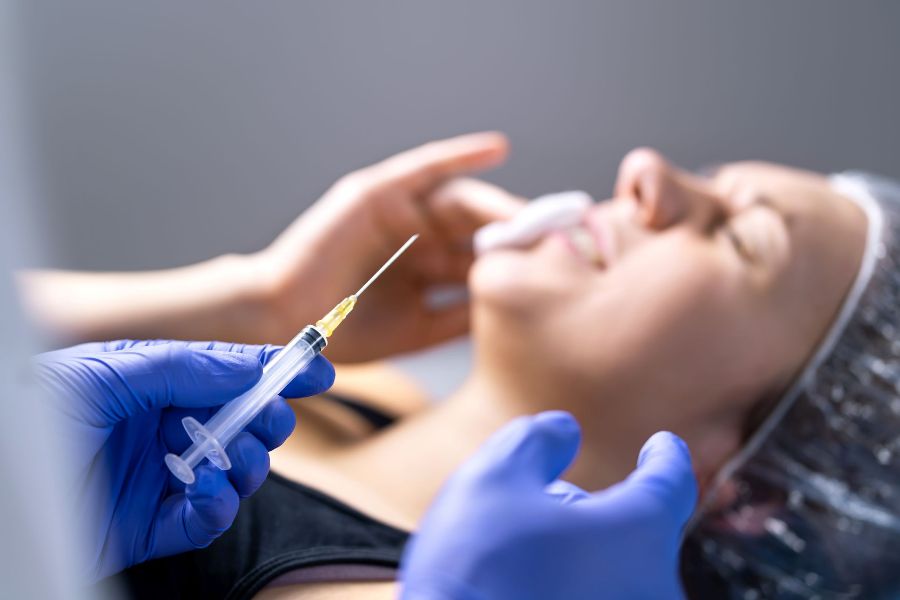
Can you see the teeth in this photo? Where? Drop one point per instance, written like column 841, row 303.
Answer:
column 583, row 241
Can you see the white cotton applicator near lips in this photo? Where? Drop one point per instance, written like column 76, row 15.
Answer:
column 552, row 212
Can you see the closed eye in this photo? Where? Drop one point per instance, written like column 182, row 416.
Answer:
column 750, row 230
column 737, row 243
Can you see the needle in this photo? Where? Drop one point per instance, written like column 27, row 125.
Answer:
column 387, row 264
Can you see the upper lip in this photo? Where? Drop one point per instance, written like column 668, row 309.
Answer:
column 601, row 233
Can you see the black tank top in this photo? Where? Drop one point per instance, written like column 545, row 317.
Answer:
column 284, row 526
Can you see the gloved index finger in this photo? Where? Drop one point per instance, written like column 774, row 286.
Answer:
column 124, row 383
column 263, row 352
column 173, row 375
column 315, row 379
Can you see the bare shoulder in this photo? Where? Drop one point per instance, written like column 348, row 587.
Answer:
column 361, row 590
column 383, row 386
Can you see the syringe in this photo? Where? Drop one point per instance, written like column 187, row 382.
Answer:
column 211, row 439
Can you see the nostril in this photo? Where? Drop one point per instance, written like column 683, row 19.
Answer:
column 644, row 176
column 652, row 196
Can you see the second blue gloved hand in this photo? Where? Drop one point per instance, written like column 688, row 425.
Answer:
column 121, row 405
column 505, row 528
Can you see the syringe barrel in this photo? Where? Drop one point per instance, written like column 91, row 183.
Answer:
column 234, row 416
column 237, row 414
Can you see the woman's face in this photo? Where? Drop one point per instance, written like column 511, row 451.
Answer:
column 682, row 303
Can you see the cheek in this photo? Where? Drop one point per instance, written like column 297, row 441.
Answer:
column 670, row 295
column 690, row 327
column 688, row 332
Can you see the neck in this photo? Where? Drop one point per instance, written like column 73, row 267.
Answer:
column 407, row 465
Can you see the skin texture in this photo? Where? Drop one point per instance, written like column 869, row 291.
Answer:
column 713, row 293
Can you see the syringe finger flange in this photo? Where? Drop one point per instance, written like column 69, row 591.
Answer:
column 180, row 469
column 207, row 442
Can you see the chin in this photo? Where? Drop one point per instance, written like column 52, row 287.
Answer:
column 521, row 283
column 499, row 280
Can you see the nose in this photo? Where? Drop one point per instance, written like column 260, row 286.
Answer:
column 665, row 195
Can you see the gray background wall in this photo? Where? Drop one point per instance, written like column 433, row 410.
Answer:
column 174, row 131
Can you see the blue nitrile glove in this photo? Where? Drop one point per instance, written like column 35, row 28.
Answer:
column 505, row 528
column 121, row 405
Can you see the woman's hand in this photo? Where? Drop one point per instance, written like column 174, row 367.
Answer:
column 324, row 256
column 335, row 246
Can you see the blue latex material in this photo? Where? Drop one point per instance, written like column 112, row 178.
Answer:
column 120, row 406
column 506, row 528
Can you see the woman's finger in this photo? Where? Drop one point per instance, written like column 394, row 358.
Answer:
column 461, row 206
column 420, row 168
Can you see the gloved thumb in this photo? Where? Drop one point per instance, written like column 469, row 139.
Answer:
column 532, row 450
column 664, row 470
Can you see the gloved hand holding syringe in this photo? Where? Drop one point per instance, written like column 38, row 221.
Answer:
column 211, row 439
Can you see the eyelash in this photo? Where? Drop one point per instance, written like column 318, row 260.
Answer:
column 736, row 241
column 723, row 224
